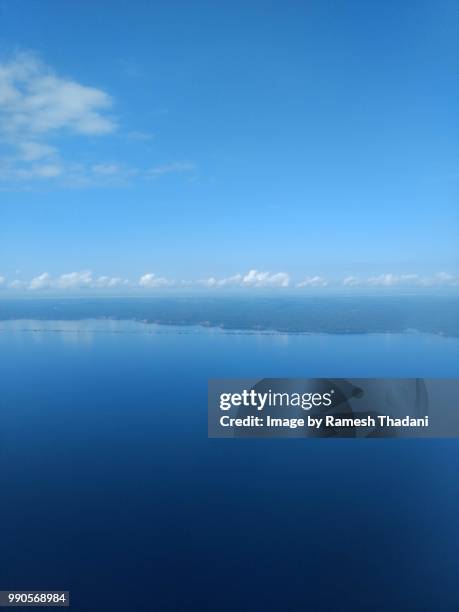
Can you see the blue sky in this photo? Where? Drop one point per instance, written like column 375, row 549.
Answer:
column 151, row 145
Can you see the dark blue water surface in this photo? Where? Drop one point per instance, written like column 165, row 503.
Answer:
column 111, row 489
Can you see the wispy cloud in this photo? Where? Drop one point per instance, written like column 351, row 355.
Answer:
column 32, row 151
column 43, row 281
column 109, row 282
column 75, row 280
column 445, row 278
column 39, row 109
column 151, row 281
column 253, row 278
column 351, row 281
column 36, row 101
column 83, row 279
column 390, row 280
column 440, row 279
column 313, row 281
column 36, row 104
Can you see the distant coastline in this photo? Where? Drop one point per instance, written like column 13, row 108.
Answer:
column 326, row 315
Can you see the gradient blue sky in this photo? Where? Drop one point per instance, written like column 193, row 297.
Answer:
column 309, row 142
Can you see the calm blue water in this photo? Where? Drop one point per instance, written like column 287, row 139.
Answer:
column 111, row 489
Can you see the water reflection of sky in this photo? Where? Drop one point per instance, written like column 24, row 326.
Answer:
column 108, row 474
column 282, row 354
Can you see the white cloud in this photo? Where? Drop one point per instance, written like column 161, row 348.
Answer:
column 37, row 104
column 351, row 281
column 47, row 171
column 43, row 281
column 208, row 282
column 110, row 282
column 151, row 281
column 38, row 107
column 313, row 281
column 390, row 280
column 32, row 151
column 253, row 278
column 34, row 100
column 74, row 280
column 441, row 279
column 236, row 279
column 10, row 171
column 84, row 279
column 222, row 282
column 445, row 278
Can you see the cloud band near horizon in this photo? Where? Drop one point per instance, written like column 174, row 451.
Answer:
column 253, row 279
